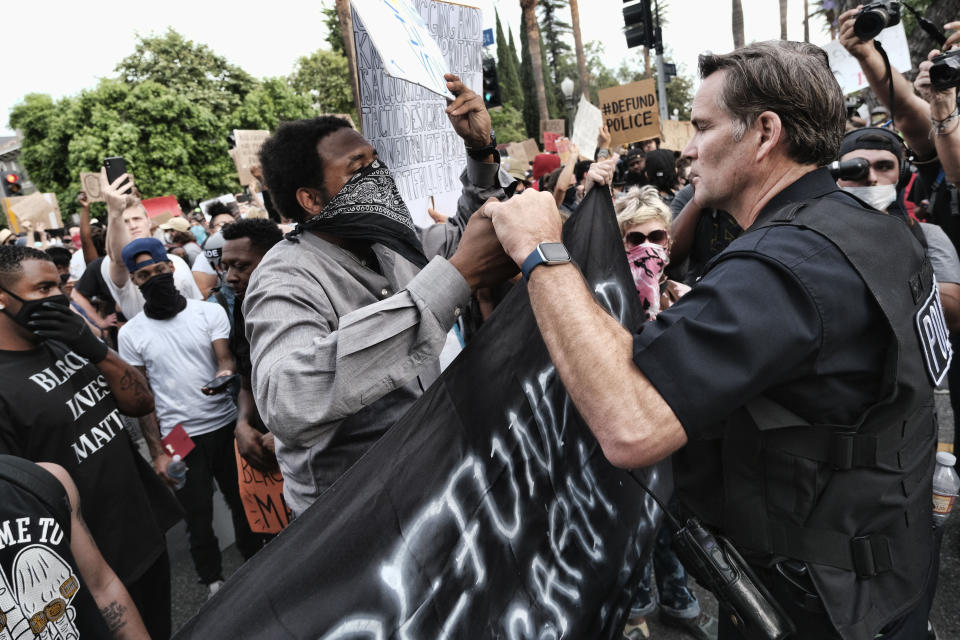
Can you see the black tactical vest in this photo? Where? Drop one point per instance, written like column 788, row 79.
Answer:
column 40, row 585
column 850, row 501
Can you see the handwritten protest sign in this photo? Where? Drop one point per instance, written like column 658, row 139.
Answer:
column 530, row 148
column 586, row 126
column 847, row 70
column 518, row 156
column 245, row 153
column 405, row 43
column 676, row 134
column 550, row 141
column 630, row 111
column 36, row 211
column 262, row 497
column 558, row 126
column 407, row 124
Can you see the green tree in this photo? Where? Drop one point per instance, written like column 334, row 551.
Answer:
column 680, row 95
column 508, row 123
column 334, row 35
column 508, row 73
column 554, row 101
column 192, row 69
column 271, row 103
column 323, row 78
column 553, row 31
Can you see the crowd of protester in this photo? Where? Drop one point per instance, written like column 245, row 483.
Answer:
column 300, row 338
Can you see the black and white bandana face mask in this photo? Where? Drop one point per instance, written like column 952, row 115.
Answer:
column 370, row 208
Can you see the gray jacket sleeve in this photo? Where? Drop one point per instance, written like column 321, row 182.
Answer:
column 481, row 181
column 311, row 370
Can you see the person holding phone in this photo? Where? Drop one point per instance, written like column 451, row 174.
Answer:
column 181, row 346
column 127, row 220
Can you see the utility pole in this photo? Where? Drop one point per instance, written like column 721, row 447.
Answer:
column 661, row 76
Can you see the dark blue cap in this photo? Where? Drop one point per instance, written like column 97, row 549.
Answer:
column 151, row 246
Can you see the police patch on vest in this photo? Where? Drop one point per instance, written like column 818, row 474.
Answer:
column 934, row 337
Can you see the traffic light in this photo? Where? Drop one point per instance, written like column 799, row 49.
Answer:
column 11, row 184
column 491, row 86
column 638, row 25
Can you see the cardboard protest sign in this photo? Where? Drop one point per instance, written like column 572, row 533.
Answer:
column 90, row 184
column 37, row 211
column 402, row 38
column 486, row 511
column 245, row 153
column 558, row 126
column 847, row 70
column 586, row 126
column 530, row 148
column 676, row 134
column 262, row 497
column 161, row 209
column 407, row 124
column 630, row 111
column 517, row 156
column 550, row 141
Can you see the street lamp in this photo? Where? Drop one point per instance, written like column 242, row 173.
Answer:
column 567, row 88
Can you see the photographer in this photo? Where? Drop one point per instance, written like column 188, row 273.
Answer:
column 944, row 117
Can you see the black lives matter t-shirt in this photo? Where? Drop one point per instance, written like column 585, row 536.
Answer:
column 57, row 407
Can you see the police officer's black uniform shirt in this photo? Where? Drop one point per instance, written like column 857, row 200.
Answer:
column 788, row 308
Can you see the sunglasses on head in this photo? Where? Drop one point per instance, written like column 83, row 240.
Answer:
column 635, row 238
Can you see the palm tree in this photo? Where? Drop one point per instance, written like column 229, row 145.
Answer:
column 533, row 37
column 578, row 44
column 783, row 19
column 737, row 24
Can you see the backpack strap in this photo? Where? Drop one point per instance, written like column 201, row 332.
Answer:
column 40, row 483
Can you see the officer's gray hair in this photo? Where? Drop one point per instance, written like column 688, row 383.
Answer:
column 792, row 79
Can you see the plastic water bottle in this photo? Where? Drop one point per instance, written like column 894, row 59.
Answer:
column 177, row 470
column 946, row 485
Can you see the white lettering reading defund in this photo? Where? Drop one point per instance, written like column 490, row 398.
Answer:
column 92, row 441
column 88, row 397
column 62, row 370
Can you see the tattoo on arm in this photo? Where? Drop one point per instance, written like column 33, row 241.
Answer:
column 115, row 616
column 130, row 382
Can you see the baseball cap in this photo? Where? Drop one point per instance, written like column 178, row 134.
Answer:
column 872, row 138
column 176, row 224
column 151, row 246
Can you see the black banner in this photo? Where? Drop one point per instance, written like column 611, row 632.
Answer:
column 488, row 511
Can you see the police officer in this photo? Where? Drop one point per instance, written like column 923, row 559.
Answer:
column 810, row 438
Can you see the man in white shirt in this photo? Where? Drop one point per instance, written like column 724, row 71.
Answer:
column 181, row 346
column 127, row 220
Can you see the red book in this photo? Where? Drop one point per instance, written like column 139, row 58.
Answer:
column 177, row 442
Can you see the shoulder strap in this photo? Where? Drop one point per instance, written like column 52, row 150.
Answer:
column 40, row 483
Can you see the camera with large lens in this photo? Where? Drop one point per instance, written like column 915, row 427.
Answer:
column 874, row 18
column 945, row 72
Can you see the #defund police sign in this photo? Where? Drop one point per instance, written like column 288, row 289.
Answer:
column 631, row 111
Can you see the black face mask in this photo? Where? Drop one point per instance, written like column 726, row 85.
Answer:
column 27, row 307
column 163, row 301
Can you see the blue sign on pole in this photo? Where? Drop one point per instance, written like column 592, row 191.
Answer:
column 487, row 37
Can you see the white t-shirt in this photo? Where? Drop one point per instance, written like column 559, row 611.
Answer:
column 179, row 357
column 129, row 299
column 202, row 265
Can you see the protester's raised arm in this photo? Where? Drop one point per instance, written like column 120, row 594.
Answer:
column 944, row 119
column 86, row 235
column 117, row 235
column 911, row 113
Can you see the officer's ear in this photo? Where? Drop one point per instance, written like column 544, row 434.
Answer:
column 770, row 128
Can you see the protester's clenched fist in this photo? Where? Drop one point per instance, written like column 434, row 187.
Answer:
column 479, row 257
column 524, row 221
column 600, row 173
column 467, row 114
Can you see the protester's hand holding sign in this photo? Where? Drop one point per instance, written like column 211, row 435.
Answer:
column 479, row 258
column 467, row 114
column 254, row 448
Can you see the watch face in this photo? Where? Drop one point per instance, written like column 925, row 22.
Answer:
column 554, row 252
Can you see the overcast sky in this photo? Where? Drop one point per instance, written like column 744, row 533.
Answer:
column 60, row 48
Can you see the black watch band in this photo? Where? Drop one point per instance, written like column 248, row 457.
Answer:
column 479, row 153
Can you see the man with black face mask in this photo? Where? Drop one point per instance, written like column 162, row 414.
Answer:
column 181, row 346
column 346, row 318
column 61, row 401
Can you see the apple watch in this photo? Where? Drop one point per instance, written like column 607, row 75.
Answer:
column 546, row 253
